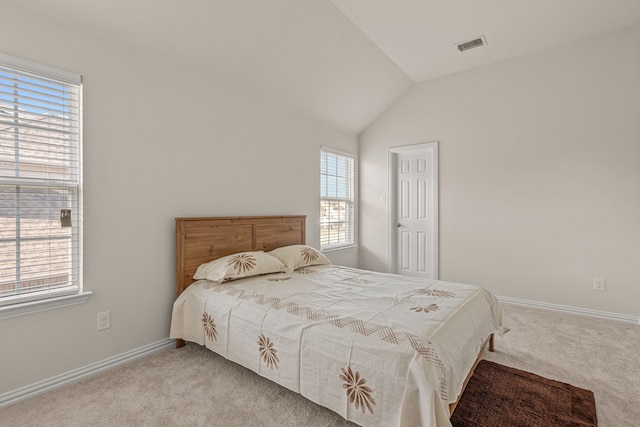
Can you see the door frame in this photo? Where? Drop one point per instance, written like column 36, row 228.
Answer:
column 392, row 211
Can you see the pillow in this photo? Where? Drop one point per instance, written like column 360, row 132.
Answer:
column 237, row 266
column 296, row 256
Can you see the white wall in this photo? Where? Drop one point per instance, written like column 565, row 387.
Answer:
column 539, row 173
column 161, row 140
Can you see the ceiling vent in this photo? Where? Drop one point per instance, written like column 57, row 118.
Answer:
column 471, row 44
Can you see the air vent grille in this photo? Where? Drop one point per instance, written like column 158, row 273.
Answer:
column 471, row 44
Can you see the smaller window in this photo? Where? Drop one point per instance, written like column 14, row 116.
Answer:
column 337, row 199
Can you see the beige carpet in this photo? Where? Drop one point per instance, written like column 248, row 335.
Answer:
column 194, row 387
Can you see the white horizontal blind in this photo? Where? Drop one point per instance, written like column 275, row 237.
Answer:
column 337, row 199
column 40, row 181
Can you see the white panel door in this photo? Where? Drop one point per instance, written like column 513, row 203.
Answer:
column 414, row 211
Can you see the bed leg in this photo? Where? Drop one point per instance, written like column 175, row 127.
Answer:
column 180, row 343
column 492, row 347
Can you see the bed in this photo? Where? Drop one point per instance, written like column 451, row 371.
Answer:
column 378, row 349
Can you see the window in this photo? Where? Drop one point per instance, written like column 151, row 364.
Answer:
column 337, row 199
column 40, row 182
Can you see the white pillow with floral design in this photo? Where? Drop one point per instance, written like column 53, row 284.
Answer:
column 297, row 256
column 237, row 266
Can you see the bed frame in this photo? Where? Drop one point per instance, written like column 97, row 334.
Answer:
column 199, row 240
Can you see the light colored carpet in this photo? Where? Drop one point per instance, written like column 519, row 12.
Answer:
column 193, row 387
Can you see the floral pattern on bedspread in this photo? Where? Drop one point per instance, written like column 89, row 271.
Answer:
column 268, row 352
column 435, row 293
column 358, row 393
column 413, row 340
column 279, row 279
column 209, row 327
column 425, row 308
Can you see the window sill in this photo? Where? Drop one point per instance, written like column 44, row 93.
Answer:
column 47, row 304
column 338, row 249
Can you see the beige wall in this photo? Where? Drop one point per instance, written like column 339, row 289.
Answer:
column 539, row 173
column 160, row 141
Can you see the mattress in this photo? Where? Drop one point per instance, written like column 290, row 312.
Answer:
column 378, row 349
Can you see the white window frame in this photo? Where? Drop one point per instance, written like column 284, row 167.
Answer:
column 43, row 300
column 348, row 201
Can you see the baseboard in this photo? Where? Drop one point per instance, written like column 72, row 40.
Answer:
column 569, row 309
column 32, row 390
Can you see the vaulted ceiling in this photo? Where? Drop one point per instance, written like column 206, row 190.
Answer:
column 340, row 62
column 420, row 35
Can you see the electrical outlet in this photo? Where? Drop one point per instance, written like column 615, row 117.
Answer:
column 104, row 320
column 598, row 285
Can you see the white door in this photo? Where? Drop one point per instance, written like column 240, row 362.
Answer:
column 414, row 210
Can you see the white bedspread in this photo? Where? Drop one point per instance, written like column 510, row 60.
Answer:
column 378, row 349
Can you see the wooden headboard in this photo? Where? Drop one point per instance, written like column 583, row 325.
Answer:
column 199, row 240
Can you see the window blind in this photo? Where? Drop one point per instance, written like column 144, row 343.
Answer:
column 337, row 199
column 40, row 181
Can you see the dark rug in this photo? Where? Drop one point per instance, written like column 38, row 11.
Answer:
column 500, row 396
